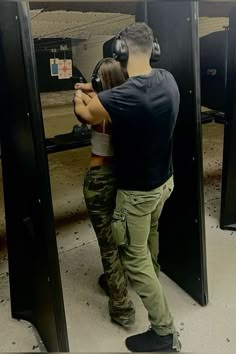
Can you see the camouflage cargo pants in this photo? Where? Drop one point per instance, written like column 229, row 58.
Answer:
column 100, row 195
column 134, row 227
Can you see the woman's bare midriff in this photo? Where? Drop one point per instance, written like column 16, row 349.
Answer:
column 96, row 160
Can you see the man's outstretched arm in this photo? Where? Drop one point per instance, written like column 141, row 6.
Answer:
column 89, row 110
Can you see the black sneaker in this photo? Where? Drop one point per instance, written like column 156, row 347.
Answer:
column 102, row 281
column 150, row 341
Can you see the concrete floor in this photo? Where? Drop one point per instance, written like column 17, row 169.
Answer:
column 209, row 329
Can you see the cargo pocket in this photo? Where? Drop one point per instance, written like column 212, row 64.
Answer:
column 141, row 205
column 119, row 227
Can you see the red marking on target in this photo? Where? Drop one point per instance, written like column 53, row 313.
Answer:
column 65, row 69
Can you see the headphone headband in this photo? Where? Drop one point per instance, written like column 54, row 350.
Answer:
column 95, row 79
column 97, row 66
column 120, row 50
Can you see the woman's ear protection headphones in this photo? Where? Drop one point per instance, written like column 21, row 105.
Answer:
column 120, row 51
column 95, row 79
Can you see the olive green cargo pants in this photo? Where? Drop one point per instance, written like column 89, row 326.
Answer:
column 134, row 227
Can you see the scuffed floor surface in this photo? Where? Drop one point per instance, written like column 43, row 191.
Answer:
column 209, row 329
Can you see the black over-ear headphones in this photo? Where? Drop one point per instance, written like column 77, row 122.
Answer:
column 95, row 79
column 120, row 51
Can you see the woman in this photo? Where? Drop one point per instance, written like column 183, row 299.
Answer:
column 100, row 195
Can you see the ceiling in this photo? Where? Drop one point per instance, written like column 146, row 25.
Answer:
column 84, row 20
column 207, row 8
column 128, row 7
column 75, row 24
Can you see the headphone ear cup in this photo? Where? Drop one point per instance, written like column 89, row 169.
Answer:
column 156, row 51
column 95, row 79
column 96, row 83
column 119, row 50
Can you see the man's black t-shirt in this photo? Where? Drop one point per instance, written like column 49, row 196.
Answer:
column 143, row 112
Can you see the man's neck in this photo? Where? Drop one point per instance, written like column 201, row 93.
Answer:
column 138, row 65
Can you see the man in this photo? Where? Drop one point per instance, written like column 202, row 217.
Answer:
column 143, row 113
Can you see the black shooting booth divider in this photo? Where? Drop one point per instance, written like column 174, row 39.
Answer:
column 182, row 224
column 218, row 92
column 35, row 283
column 228, row 197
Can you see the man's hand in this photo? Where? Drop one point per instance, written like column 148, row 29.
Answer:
column 86, row 88
column 87, row 107
column 89, row 110
column 79, row 95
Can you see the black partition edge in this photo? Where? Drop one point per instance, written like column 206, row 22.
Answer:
column 43, row 170
column 228, row 192
column 182, row 224
column 199, row 151
column 34, row 274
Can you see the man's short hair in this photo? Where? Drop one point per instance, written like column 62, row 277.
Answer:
column 139, row 37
